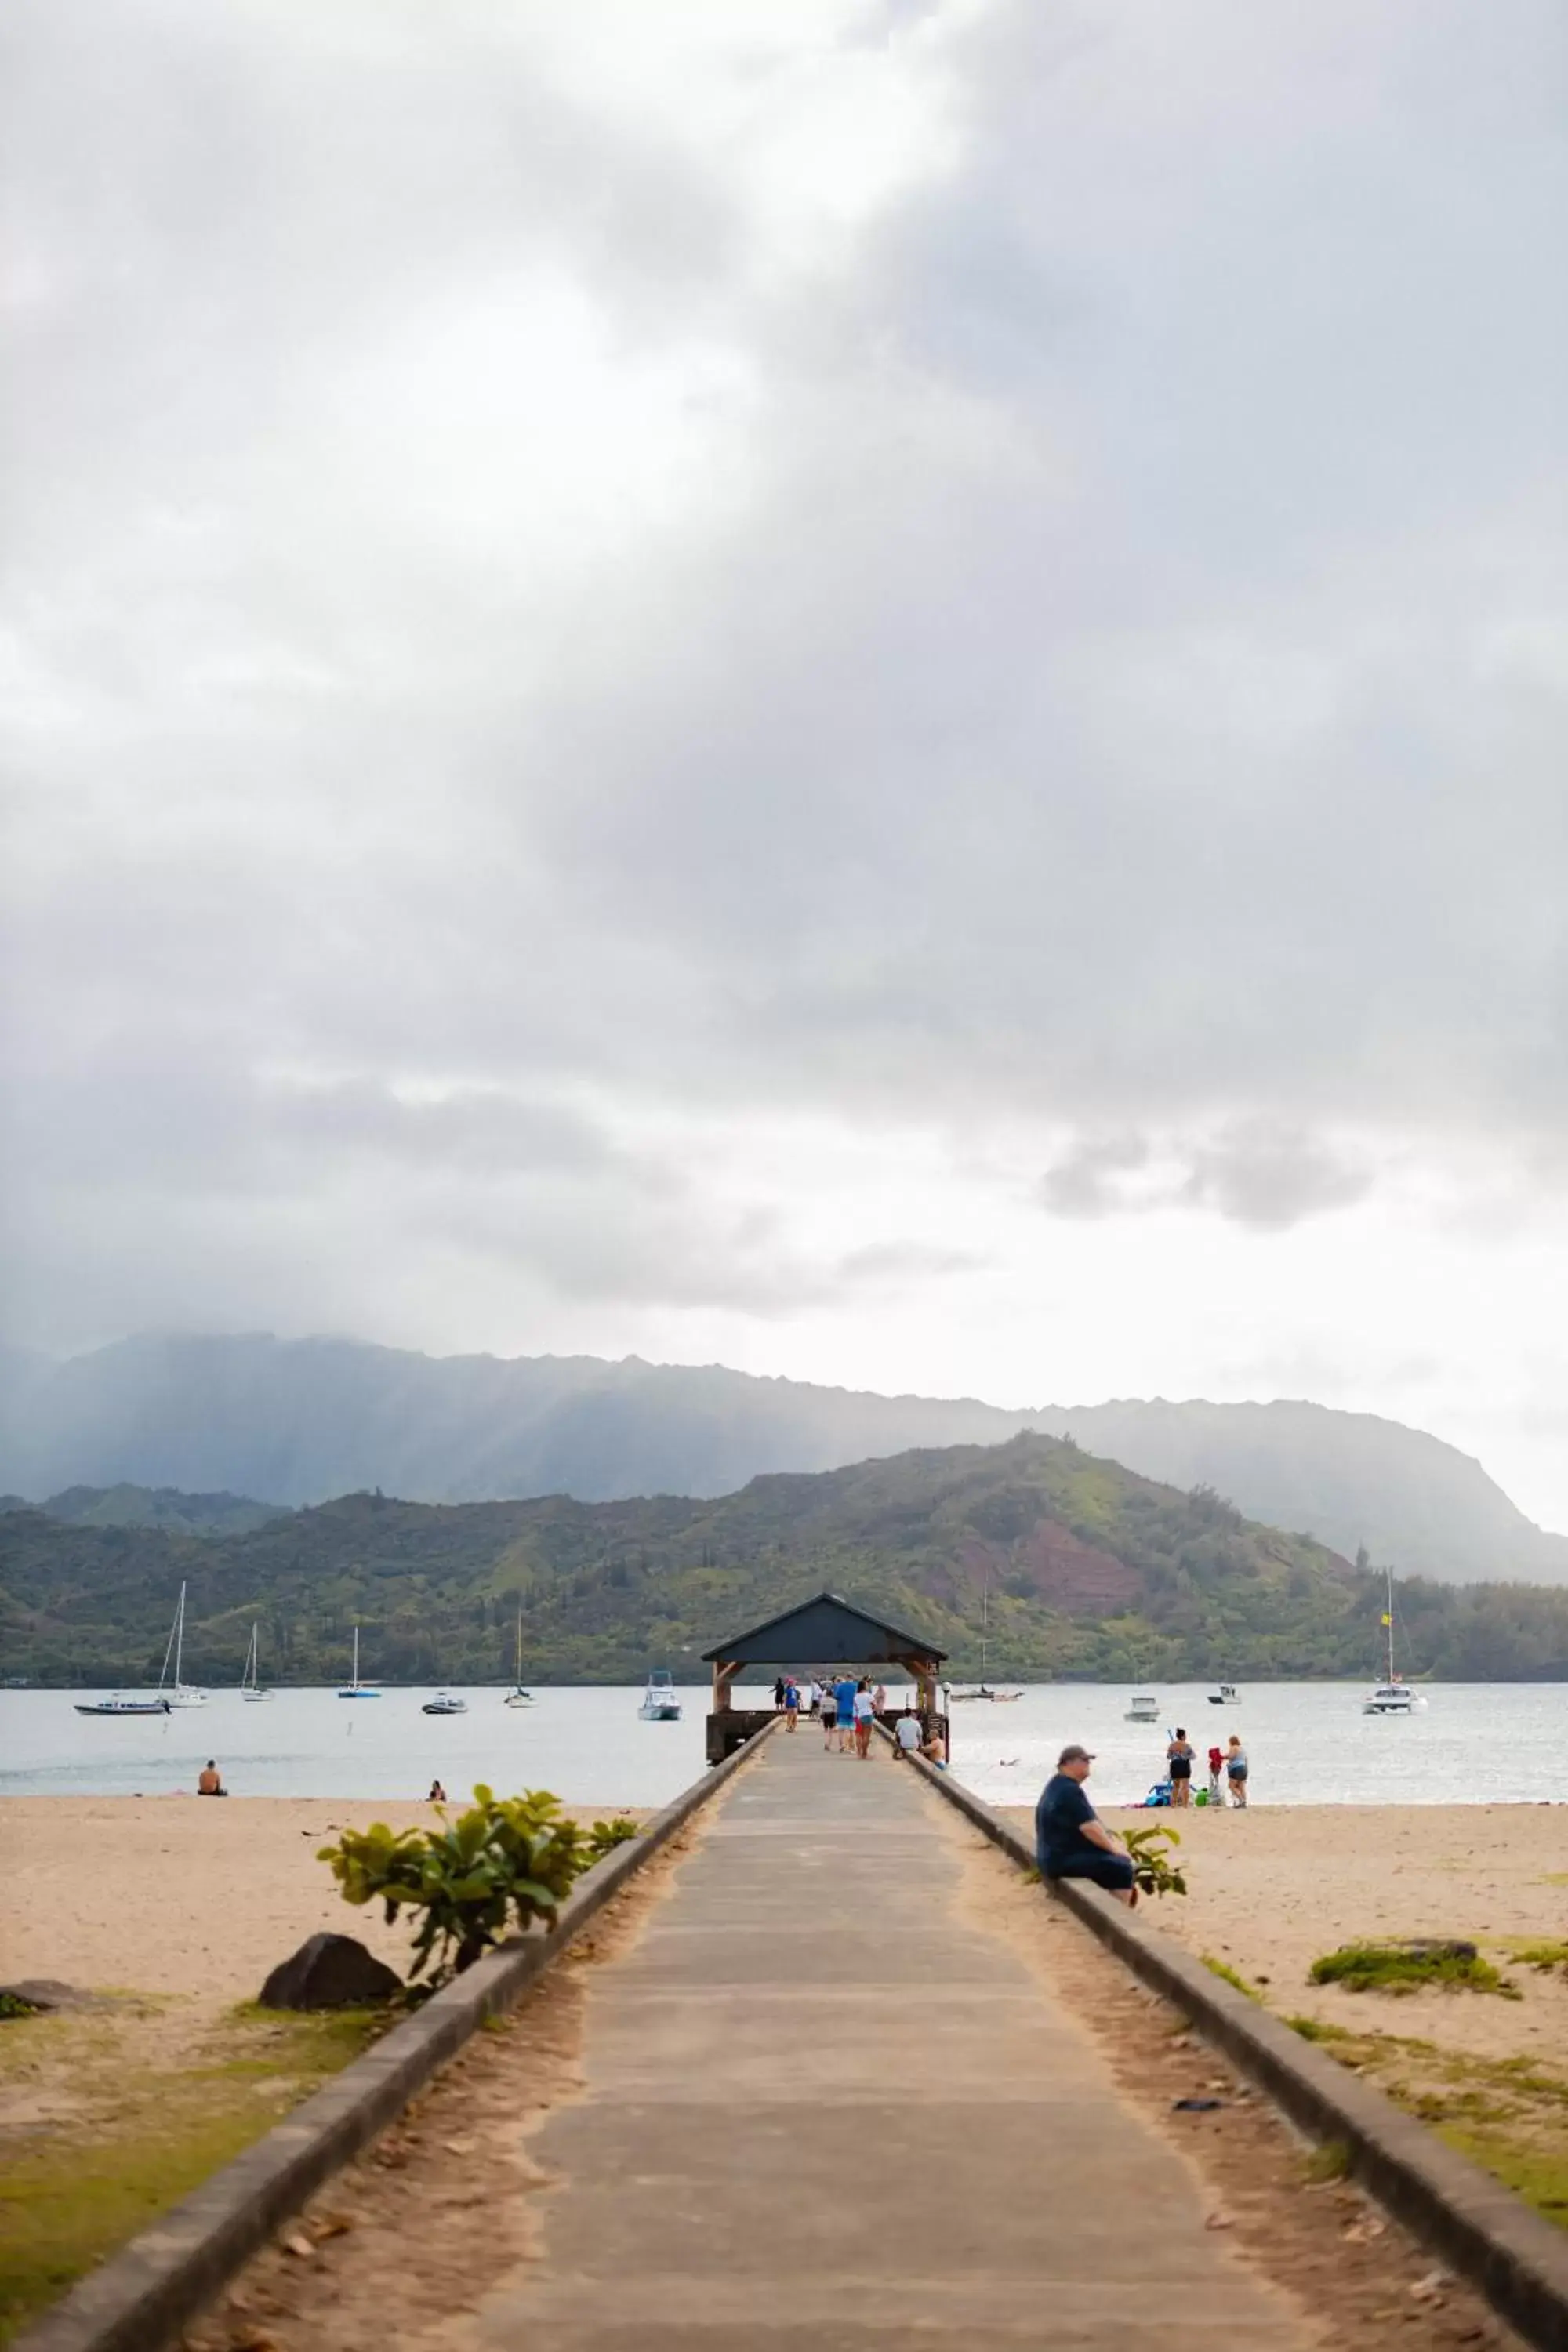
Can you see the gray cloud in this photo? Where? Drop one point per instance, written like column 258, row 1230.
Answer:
column 503, row 607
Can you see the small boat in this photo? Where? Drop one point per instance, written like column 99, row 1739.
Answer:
column 179, row 1692
column 444, row 1703
column 1144, row 1707
column 517, row 1696
column 660, row 1704
column 1227, row 1695
column 356, row 1689
column 983, row 1690
column 1393, row 1696
column 117, row 1705
column 251, row 1688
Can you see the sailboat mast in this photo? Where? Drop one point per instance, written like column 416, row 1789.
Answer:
column 180, row 1640
column 355, row 1678
column 985, row 1619
column 1390, row 1627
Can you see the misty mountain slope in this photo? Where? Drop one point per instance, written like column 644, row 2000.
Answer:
column 295, row 1421
column 1090, row 1570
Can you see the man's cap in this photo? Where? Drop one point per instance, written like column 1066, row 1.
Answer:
column 1075, row 1755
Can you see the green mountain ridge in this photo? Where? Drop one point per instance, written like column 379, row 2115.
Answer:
column 1092, row 1571
column 296, row 1422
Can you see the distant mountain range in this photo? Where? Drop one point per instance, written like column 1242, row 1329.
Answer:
column 1077, row 1567
column 296, row 1422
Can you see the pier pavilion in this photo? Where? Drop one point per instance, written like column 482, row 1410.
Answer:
column 827, row 1631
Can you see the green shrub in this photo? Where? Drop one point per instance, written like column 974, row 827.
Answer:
column 1328, row 2162
column 506, row 1862
column 1152, row 1872
column 1406, row 1967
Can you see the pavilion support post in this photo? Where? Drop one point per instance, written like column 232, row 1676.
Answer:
column 724, row 1675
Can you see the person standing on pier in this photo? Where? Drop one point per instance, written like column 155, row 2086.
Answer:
column 865, row 1713
column 778, row 1695
column 792, row 1704
column 844, row 1712
column 1070, row 1839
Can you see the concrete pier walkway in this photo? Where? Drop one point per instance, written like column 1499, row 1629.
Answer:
column 824, row 2102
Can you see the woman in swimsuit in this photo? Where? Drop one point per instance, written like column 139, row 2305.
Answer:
column 1179, row 1756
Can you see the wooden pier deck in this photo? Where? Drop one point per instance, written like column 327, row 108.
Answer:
column 824, row 2102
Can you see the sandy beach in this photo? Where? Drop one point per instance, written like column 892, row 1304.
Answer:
column 1267, row 1892
column 180, row 1895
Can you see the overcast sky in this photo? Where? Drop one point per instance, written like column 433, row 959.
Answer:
column 869, row 690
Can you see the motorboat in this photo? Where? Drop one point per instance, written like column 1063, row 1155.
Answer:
column 444, row 1703
column 660, row 1704
column 356, row 1689
column 251, row 1688
column 1393, row 1695
column 1144, row 1707
column 1227, row 1695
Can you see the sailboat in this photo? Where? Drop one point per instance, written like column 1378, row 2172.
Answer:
column 251, row 1688
column 1004, row 1698
column 179, row 1692
column 356, row 1689
column 1391, row 1696
column 518, row 1696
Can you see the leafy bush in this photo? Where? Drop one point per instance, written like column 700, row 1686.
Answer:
column 1406, row 1967
column 1152, row 1872
column 506, row 1862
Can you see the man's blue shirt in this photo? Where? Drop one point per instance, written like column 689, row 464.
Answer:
column 1059, row 1818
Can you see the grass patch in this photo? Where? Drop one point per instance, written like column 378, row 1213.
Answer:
column 1313, row 2029
column 1329, row 2161
column 1506, row 2115
column 1550, row 1954
column 143, row 2137
column 1406, row 1967
column 1232, row 1977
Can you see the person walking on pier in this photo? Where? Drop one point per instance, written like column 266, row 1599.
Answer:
column 865, row 1712
column 778, row 1695
column 791, row 1703
column 829, row 1718
column 1070, row 1839
column 844, row 1712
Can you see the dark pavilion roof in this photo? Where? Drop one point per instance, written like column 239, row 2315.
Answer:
column 830, row 1629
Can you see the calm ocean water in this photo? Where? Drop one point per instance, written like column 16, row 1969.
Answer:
column 1307, row 1743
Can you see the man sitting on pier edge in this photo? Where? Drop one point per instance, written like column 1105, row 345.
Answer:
column 1070, row 1840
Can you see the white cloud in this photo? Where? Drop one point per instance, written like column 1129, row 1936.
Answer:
column 655, row 662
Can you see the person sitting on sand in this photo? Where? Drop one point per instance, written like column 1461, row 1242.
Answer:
column 907, row 1735
column 209, row 1783
column 1236, row 1772
column 1070, row 1839
column 437, row 1794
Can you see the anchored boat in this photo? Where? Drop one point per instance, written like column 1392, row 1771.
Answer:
column 1391, row 1696
column 660, row 1704
column 356, row 1689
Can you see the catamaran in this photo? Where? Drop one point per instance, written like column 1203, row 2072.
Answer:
column 356, row 1689
column 179, row 1693
column 251, row 1688
column 169, row 1694
column 518, row 1696
column 1393, row 1696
